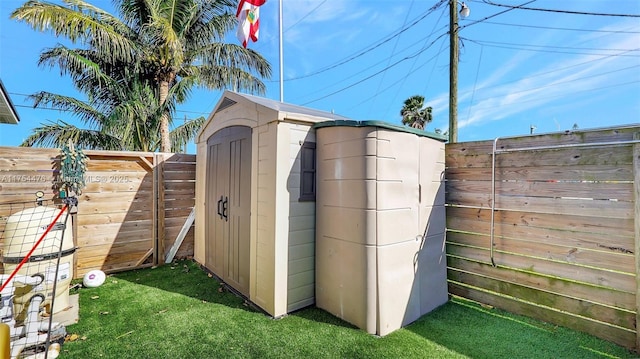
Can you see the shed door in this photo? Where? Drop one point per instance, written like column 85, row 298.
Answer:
column 228, row 206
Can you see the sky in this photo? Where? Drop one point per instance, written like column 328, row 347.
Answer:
column 548, row 68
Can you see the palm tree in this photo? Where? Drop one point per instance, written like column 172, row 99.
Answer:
column 124, row 118
column 414, row 113
column 166, row 46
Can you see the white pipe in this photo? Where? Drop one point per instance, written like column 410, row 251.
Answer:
column 493, row 198
column 596, row 144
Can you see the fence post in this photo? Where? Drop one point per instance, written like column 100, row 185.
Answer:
column 636, row 191
column 158, row 208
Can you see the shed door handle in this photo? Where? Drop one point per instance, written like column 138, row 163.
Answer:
column 220, row 213
column 225, row 208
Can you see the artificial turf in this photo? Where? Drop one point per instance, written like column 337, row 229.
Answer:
column 179, row 311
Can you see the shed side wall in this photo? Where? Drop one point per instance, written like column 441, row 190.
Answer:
column 302, row 216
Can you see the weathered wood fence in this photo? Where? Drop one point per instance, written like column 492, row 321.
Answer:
column 130, row 212
column 557, row 237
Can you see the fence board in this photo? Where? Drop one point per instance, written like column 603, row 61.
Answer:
column 608, row 156
column 614, row 334
column 565, row 234
column 609, row 260
column 562, row 286
column 574, row 189
column 581, row 307
column 527, row 173
column 595, row 276
column 586, row 226
column 568, row 239
column 559, row 206
column 117, row 212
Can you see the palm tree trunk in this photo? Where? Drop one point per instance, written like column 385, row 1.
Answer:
column 165, row 140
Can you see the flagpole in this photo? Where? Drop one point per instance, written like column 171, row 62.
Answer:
column 281, row 51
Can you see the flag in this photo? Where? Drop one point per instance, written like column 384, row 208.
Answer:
column 248, row 15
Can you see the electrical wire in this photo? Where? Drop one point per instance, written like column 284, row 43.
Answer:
column 304, row 17
column 367, row 49
column 393, row 51
column 434, row 57
column 85, row 102
column 545, row 73
column 496, row 14
column 412, row 68
column 560, row 11
column 485, row 42
column 375, row 74
column 539, row 98
column 562, row 28
column 488, row 44
column 591, row 76
column 406, row 58
column 475, row 82
column 365, row 69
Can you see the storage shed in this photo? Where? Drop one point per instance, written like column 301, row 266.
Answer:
column 255, row 199
column 380, row 223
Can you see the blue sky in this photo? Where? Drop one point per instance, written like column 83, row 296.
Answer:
column 362, row 59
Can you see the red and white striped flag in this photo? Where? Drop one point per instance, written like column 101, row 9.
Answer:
column 248, row 15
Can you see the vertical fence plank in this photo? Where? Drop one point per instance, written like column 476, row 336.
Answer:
column 158, row 257
column 636, row 191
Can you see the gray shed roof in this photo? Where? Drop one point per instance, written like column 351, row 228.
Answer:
column 283, row 107
column 8, row 113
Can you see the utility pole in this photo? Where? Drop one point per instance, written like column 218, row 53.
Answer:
column 453, row 71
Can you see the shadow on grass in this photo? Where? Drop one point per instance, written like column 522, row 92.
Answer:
column 186, row 277
column 484, row 332
column 318, row 315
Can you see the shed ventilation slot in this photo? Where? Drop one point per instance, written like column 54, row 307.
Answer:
column 226, row 103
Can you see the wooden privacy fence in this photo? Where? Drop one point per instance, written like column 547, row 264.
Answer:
column 130, row 212
column 551, row 229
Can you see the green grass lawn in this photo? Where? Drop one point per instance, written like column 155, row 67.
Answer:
column 178, row 311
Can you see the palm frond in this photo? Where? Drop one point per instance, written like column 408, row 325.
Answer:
column 75, row 64
column 210, row 23
column 79, row 22
column 234, row 56
column 222, row 77
column 186, row 132
column 59, row 134
column 82, row 110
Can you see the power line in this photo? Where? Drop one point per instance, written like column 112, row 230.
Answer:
column 484, row 42
column 411, row 69
column 546, row 72
column 434, row 57
column 562, row 28
column 63, row 110
column 369, row 67
column 395, row 45
column 560, row 11
column 565, row 82
column 368, row 49
column 377, row 73
column 304, row 17
column 475, row 82
column 496, row 14
column 539, row 98
column 488, row 43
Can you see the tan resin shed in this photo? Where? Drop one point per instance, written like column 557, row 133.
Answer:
column 255, row 193
column 380, row 223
